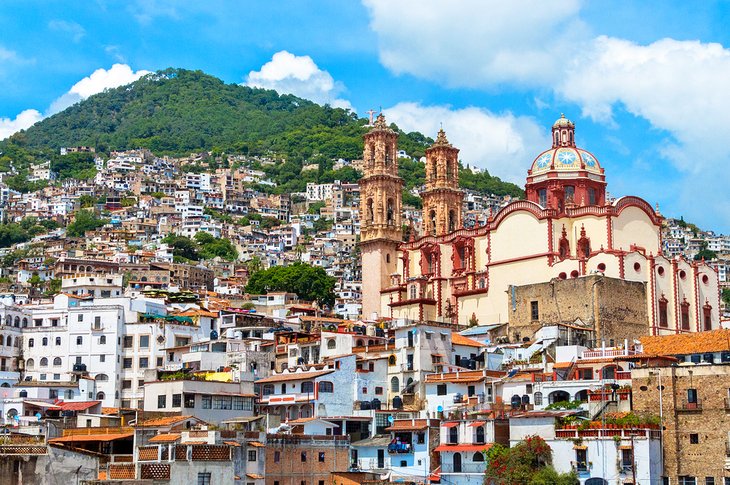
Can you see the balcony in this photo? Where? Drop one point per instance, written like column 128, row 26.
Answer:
column 400, row 448
column 690, row 406
column 478, row 467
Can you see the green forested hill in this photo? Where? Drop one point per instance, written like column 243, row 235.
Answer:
column 177, row 111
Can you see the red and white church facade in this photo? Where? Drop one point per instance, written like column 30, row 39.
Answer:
column 565, row 228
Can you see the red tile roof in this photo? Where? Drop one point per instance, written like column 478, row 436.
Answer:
column 91, row 437
column 411, row 424
column 688, row 343
column 482, row 447
column 165, row 438
column 77, row 406
column 458, row 339
column 294, row 376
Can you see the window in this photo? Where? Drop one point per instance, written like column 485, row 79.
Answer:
column 176, row 400
column 242, row 403
column 29, row 364
column 102, row 340
column 127, row 363
column 441, row 390
column 42, row 377
column 207, row 401
column 79, row 340
column 80, row 317
column 534, row 310
column 307, row 386
column 537, row 397
column 44, row 362
column 592, row 196
column 222, row 402
column 144, row 341
column 251, row 455
column 58, row 340
column 204, row 478
column 331, row 344
column 627, row 459
column 44, row 342
column 321, row 456
column 144, row 362
column 326, row 386
column 161, row 402
column 268, row 389
column 101, row 377
column 304, row 456
column 97, row 322
column 709, row 480
column 663, row 318
column 542, row 197
column 478, row 457
column 127, row 384
column 102, row 358
column 378, row 391
column 159, row 361
column 128, row 342
column 277, row 456
column 694, row 439
column 692, row 396
column 707, row 316
column 394, row 384
column 581, row 460
column 31, row 342
column 685, row 480
column 685, row 315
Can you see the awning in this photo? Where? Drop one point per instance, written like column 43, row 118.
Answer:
column 256, row 444
column 42, row 404
column 476, row 424
column 254, row 476
column 232, row 443
column 450, row 425
column 625, row 447
column 462, row 448
column 580, row 447
column 91, row 437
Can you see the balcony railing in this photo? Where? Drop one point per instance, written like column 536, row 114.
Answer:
column 690, row 406
column 400, row 448
column 477, row 467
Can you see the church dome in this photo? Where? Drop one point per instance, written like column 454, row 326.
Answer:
column 564, row 156
column 565, row 159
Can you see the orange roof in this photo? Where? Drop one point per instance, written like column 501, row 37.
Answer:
column 463, row 376
column 232, row 443
column 254, row 476
column 256, row 444
column 294, row 376
column 91, row 437
column 196, row 313
column 688, row 343
column 109, row 410
column 165, row 438
column 482, row 447
column 562, row 365
column 77, row 406
column 411, row 425
column 166, row 421
column 458, row 339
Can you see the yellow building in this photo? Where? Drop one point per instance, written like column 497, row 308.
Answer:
column 565, row 229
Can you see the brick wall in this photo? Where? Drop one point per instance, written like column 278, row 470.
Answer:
column 709, row 419
column 290, row 469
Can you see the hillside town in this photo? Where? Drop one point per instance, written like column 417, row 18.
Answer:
column 146, row 335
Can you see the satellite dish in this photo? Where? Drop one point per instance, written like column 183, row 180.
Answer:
column 390, row 419
column 440, row 409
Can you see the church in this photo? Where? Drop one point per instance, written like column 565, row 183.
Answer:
column 566, row 254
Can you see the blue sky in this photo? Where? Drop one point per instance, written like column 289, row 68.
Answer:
column 645, row 82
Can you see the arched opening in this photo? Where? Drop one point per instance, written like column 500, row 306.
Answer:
column 23, row 393
column 457, row 462
column 44, row 362
column 390, row 212
column 392, row 360
column 29, row 364
column 100, row 396
column 581, row 396
column 608, row 372
column 4, row 384
column 558, row 396
column 57, row 362
column 101, row 378
column 452, row 220
column 480, row 434
column 371, row 213
column 432, row 222
column 394, row 384
column 331, row 344
column 478, row 457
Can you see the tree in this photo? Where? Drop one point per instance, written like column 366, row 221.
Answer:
column 706, row 254
column 211, row 247
column 528, row 462
column 726, row 296
column 85, row 220
column 183, row 247
column 308, row 282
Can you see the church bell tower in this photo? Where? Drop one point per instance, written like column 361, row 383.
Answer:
column 380, row 213
column 442, row 198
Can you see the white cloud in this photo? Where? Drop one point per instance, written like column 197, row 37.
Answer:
column 501, row 143
column 475, row 43
column 98, row 81
column 75, row 30
column 25, row 119
column 300, row 76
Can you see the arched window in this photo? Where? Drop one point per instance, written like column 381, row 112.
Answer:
column 480, row 434
column 308, row 386
column 326, row 386
column 23, row 393
column 57, row 362
column 537, row 397
column 100, row 396
column 17, row 321
column 392, row 360
column 609, row 372
column 478, row 456
column 457, row 462
column 432, row 221
column 390, row 216
column 413, row 294
column 101, row 378
column 58, row 340
column 29, row 364
column 44, row 342
column 453, row 435
column 44, row 362
column 394, row 384
column 331, row 344
column 25, row 322
column 371, row 213
column 452, row 221
column 268, row 389
column 31, row 342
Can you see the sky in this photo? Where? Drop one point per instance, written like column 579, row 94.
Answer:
column 647, row 83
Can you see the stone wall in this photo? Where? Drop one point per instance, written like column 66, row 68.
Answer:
column 58, row 466
column 616, row 307
column 709, row 419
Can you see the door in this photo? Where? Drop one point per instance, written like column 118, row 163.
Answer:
column 457, row 462
column 381, row 459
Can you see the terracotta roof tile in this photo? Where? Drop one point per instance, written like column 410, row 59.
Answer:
column 166, row 421
column 294, row 376
column 165, row 438
column 91, row 437
column 411, row 424
column 458, row 339
column 688, row 343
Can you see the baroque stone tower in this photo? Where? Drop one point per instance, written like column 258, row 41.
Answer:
column 380, row 213
column 442, row 198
